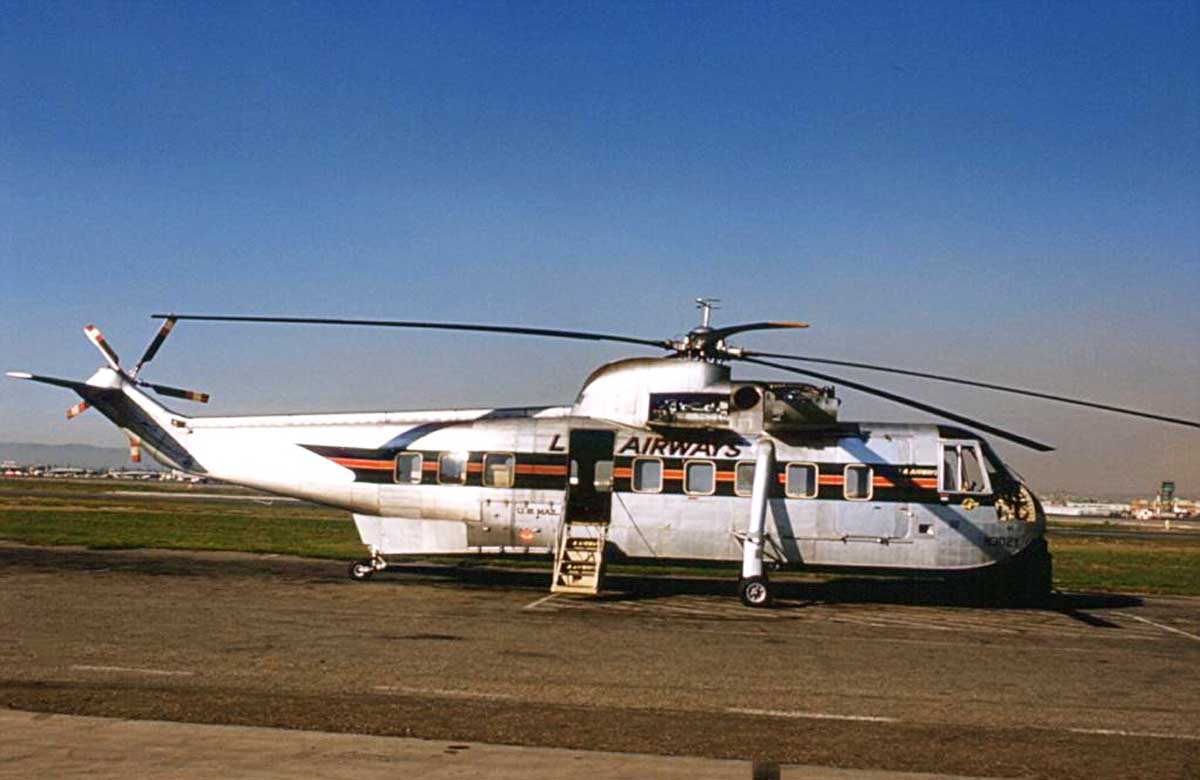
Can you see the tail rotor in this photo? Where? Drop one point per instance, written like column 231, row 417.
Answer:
column 114, row 362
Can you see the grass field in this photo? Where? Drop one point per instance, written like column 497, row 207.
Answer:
column 1126, row 565
column 116, row 515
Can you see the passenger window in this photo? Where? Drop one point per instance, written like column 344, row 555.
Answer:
column 962, row 468
column 647, row 475
column 452, row 468
column 858, row 482
column 743, row 484
column 498, row 470
column 408, row 468
column 602, row 481
column 801, row 480
column 699, row 478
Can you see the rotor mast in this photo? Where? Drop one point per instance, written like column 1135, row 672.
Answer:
column 707, row 304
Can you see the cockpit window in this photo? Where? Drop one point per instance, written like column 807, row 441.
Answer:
column 999, row 472
column 950, row 462
column 962, row 468
column 972, row 472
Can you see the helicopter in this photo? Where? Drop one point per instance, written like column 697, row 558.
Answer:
column 664, row 459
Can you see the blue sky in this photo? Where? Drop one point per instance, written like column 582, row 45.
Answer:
column 1002, row 190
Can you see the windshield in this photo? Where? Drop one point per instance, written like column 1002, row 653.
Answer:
column 997, row 468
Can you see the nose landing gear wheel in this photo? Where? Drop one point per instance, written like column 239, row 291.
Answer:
column 755, row 592
column 361, row 570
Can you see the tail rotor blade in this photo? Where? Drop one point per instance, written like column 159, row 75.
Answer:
column 77, row 410
column 152, row 350
column 135, row 449
column 96, row 337
column 176, row 392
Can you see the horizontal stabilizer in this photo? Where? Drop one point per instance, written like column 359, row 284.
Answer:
column 87, row 392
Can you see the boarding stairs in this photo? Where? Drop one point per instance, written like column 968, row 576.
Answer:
column 579, row 557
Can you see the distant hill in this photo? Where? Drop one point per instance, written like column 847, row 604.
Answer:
column 82, row 455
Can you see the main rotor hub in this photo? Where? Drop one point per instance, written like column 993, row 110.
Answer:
column 703, row 343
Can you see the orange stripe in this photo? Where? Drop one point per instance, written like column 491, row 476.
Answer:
column 726, row 476
column 672, row 474
column 359, row 463
column 882, row 482
column 549, row 471
column 623, row 473
column 830, row 479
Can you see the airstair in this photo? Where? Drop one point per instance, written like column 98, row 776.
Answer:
column 579, row 557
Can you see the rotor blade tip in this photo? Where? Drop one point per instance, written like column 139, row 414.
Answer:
column 18, row 374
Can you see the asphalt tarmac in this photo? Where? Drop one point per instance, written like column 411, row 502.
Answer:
column 853, row 674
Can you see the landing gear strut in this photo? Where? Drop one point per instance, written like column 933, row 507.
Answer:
column 362, row 570
column 753, row 588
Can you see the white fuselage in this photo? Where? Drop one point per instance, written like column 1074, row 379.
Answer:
column 497, row 480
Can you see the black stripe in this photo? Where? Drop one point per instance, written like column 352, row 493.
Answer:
column 430, row 476
column 903, row 490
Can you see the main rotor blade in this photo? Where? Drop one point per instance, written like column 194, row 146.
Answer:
column 96, row 337
column 550, row 333
column 152, row 350
column 729, row 330
column 176, row 392
column 924, row 407
column 985, row 385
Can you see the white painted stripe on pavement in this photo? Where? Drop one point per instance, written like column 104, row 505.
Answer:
column 1123, row 733
column 1166, row 628
column 442, row 692
column 540, row 601
column 812, row 715
column 132, row 670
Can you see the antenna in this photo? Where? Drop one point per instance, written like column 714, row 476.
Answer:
column 707, row 304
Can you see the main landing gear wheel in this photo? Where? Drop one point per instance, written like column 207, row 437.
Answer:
column 755, row 592
column 361, row 570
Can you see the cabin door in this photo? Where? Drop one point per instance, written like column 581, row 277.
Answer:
column 589, row 486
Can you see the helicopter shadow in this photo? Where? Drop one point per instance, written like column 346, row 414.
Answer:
column 789, row 594
column 798, row 594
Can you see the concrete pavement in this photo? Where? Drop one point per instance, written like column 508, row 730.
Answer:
column 66, row 746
